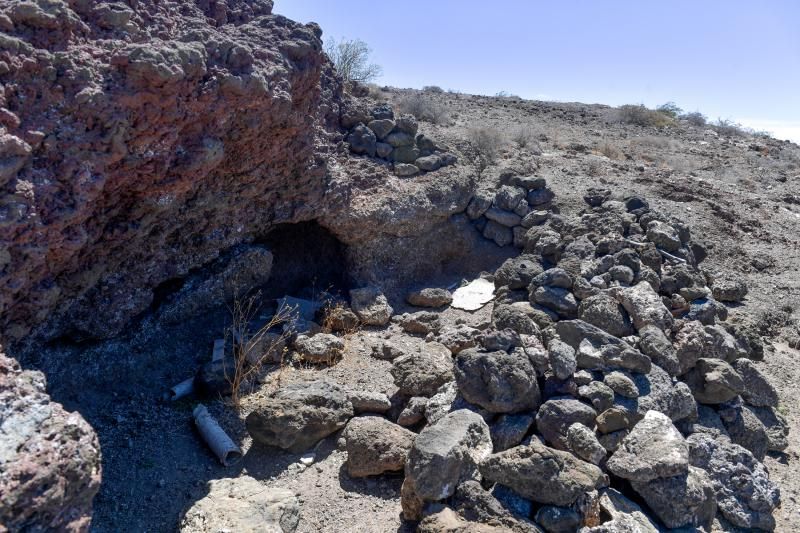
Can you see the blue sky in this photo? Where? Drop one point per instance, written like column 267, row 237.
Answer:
column 735, row 59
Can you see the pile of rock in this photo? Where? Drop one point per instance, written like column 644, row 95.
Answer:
column 505, row 215
column 608, row 361
column 378, row 133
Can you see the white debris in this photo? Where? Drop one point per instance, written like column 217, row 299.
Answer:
column 474, row 295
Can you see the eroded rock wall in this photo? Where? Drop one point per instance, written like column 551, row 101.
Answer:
column 139, row 139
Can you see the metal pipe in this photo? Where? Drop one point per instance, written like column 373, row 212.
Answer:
column 220, row 443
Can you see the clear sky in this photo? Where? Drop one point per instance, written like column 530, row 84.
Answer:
column 735, row 59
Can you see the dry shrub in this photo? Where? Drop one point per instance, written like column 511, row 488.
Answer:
column 252, row 350
column 375, row 92
column 432, row 89
column 424, row 108
column 486, row 140
column 729, row 128
column 642, row 116
column 525, row 136
column 695, row 118
column 610, row 151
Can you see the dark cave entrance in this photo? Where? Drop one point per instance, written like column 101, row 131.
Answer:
column 307, row 260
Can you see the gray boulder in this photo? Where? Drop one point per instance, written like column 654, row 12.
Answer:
column 663, row 235
column 562, row 359
column 645, row 306
column 381, row 127
column 552, row 277
column 375, row 446
column 504, row 218
column 508, row 197
column 757, row 390
column 413, row 412
column 500, row 234
column 728, row 290
column 509, row 430
column 419, row 323
column 369, row 402
column 499, row 381
column 680, row 501
column 598, row 393
column 421, row 373
column 558, row 519
column 518, row 316
column 653, row 449
column 242, row 504
column 371, row 306
column 556, row 415
column 407, row 123
column 429, row 163
column 399, row 139
column 430, row 297
column 296, row 416
column 319, row 348
column 518, row 272
column 362, row 141
column 447, row 453
column 607, row 314
column 654, row 343
column 583, row 442
column 622, row 384
column 714, row 381
column 542, row 474
column 745, row 495
column 560, row 300
column 745, row 428
column 404, row 154
column 479, row 204
column 405, row 170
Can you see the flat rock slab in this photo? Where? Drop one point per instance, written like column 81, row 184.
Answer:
column 474, row 295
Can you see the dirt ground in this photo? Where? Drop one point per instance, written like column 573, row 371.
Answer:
column 741, row 201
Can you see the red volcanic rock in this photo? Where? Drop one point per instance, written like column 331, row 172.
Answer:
column 49, row 458
column 137, row 143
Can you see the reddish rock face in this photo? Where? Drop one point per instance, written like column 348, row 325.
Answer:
column 137, row 143
column 49, row 458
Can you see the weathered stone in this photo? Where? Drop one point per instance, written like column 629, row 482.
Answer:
column 479, row 204
column 499, row 381
column 49, row 458
column 381, row 127
column 500, row 234
column 553, row 277
column 420, row 323
column 371, row 306
column 319, row 348
column 407, row 123
column 607, row 314
column 583, row 442
column 517, row 316
column 744, row 428
column 556, row 415
column 414, row 411
column 684, row 500
column 458, row 338
column 539, row 197
column 714, row 381
column 653, row 449
column 757, row 390
column 613, row 419
column 509, row 430
column 727, row 290
column 744, row 493
column 242, row 504
column 663, row 235
column 296, row 416
column 562, row 359
column 362, row 141
column 542, row 474
column 369, row 402
column 421, row 373
column 404, row 170
column 558, row 519
column 656, row 345
column 447, row 453
column 622, row 384
column 518, row 272
column 400, row 139
column 383, row 150
column 559, row 300
column 404, row 154
column 504, row 218
column 645, row 307
column 600, row 394
column 430, row 297
column 375, row 446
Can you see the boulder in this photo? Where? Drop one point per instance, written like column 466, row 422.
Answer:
column 728, row 290
column 498, row 381
column 500, row 234
column 430, row 297
column 421, row 373
column 663, row 235
column 362, row 140
column 400, row 139
column 745, row 495
column 757, row 390
column 419, row 323
column 371, row 306
column 458, row 338
column 653, row 449
column 655, row 344
column 680, row 501
column 49, row 458
column 552, row 277
column 479, row 204
column 626, row 516
column 556, row 415
column 560, row 300
column 319, row 348
column 607, row 314
column 714, row 381
column 242, row 504
column 540, row 197
column 517, row 316
column 369, row 402
column 645, row 307
column 583, row 442
column 622, row 384
column 558, row 519
column 504, row 218
column 598, row 393
column 404, row 155
column 542, row 474
column 405, row 170
column 296, row 416
column 407, row 123
column 383, row 150
column 562, row 359
column 745, row 428
column 508, row 197
column 414, row 411
column 447, row 453
column 518, row 272
column 375, row 446
column 381, row 127
column 509, row 430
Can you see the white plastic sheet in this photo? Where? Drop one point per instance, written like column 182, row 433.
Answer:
column 474, row 295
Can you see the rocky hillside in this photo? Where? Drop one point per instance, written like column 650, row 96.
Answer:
column 482, row 314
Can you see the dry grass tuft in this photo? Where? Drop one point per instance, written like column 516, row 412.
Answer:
column 424, row 108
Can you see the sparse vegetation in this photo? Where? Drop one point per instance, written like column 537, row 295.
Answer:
column 730, row 128
column 251, row 351
column 609, row 150
column 486, row 141
column 424, row 108
column 350, row 57
column 524, row 136
column 376, row 92
column 432, row 89
column 695, row 118
column 670, row 109
column 642, row 116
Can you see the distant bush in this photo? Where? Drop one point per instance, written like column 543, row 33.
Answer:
column 506, row 94
column 351, row 60
column 670, row 109
column 730, row 128
column 610, row 151
column 524, row 136
column 423, row 108
column 695, row 118
column 642, row 116
column 486, row 140
column 376, row 92
column 432, row 89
